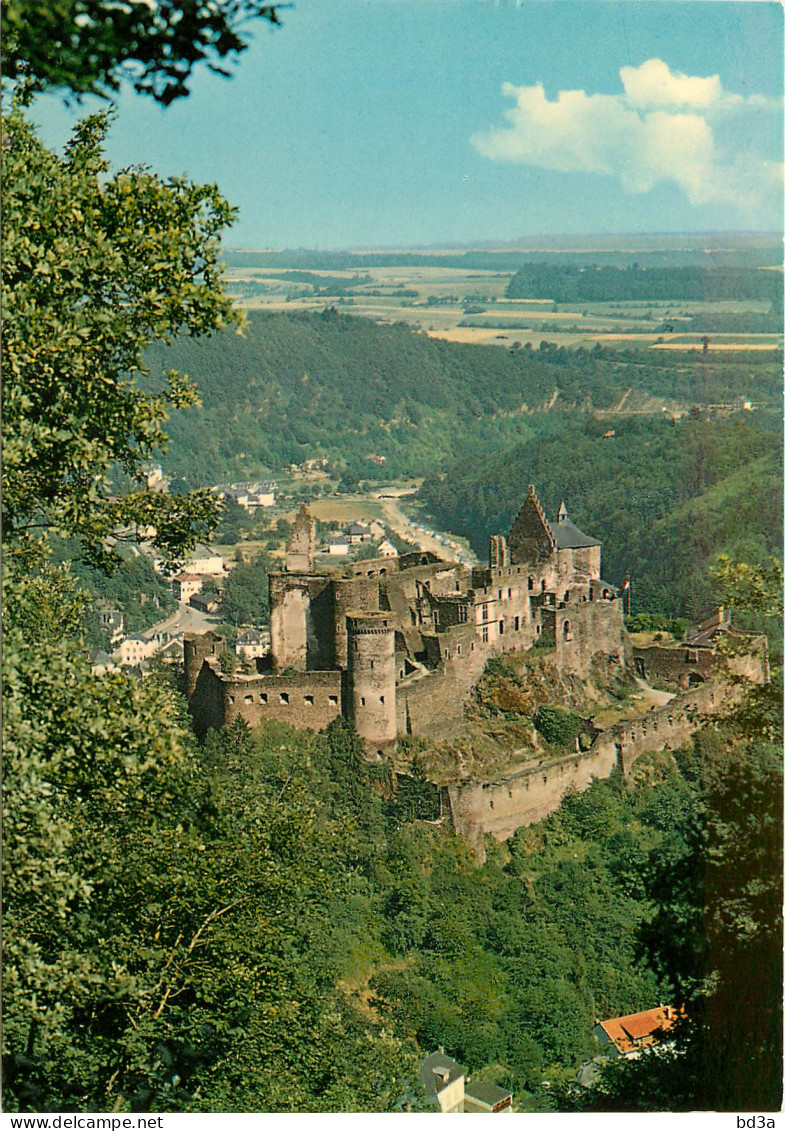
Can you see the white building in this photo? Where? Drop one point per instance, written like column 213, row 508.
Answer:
column 135, row 649
column 185, row 585
column 338, row 544
column 252, row 642
column 206, row 561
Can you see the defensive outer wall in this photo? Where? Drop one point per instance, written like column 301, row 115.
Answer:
column 501, row 807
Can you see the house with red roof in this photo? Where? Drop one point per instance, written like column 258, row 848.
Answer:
column 631, row 1035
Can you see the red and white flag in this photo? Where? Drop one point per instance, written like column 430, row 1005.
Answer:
column 626, row 585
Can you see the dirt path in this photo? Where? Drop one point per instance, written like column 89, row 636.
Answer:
column 652, row 695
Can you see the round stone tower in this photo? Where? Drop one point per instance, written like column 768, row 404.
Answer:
column 196, row 649
column 371, row 681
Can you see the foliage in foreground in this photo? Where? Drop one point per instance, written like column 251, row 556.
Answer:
column 87, row 46
column 95, row 267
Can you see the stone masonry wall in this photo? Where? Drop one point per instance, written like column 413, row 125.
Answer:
column 307, row 700
column 499, row 808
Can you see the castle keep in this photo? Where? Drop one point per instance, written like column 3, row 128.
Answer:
column 396, row 644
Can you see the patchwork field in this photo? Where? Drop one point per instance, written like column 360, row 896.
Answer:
column 472, row 306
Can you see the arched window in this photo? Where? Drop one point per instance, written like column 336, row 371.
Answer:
column 566, row 628
column 531, row 583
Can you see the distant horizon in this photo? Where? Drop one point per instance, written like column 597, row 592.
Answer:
column 514, row 244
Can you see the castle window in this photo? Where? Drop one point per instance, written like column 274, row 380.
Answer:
column 458, row 650
column 231, row 698
column 542, row 586
column 566, row 629
column 285, row 698
column 263, row 697
column 332, row 700
column 485, row 612
column 446, row 653
column 509, row 593
column 249, row 698
column 308, row 700
column 485, row 634
column 381, row 698
column 531, row 582
column 566, row 595
column 500, row 594
column 362, row 700
column 538, row 630
column 516, row 624
column 501, row 628
column 400, row 674
column 371, row 662
column 490, row 803
column 472, row 646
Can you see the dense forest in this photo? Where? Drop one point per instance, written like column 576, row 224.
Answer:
column 566, row 283
column 270, row 923
column 307, row 385
column 664, row 497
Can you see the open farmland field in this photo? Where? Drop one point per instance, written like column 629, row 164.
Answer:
column 473, row 306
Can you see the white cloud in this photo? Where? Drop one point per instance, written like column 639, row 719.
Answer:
column 663, row 128
column 655, row 84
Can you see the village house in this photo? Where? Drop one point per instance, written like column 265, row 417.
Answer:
column 185, row 585
column 448, row 1088
column 338, row 545
column 633, row 1034
column 252, row 642
column 205, row 561
column 357, row 532
column 134, row 649
column 250, row 497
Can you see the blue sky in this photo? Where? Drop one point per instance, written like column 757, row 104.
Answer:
column 368, row 123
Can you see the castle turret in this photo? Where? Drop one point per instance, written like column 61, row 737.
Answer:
column 196, row 649
column 371, row 681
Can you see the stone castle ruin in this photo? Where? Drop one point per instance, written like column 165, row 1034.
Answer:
column 397, row 644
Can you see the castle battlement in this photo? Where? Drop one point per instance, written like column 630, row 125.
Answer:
column 389, row 622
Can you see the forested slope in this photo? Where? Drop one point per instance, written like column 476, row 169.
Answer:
column 300, row 386
column 663, row 496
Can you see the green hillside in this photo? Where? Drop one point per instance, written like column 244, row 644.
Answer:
column 663, row 496
column 305, row 385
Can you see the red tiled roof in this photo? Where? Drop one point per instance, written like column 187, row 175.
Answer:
column 637, row 1030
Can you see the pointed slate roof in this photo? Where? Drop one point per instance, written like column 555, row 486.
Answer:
column 567, row 534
